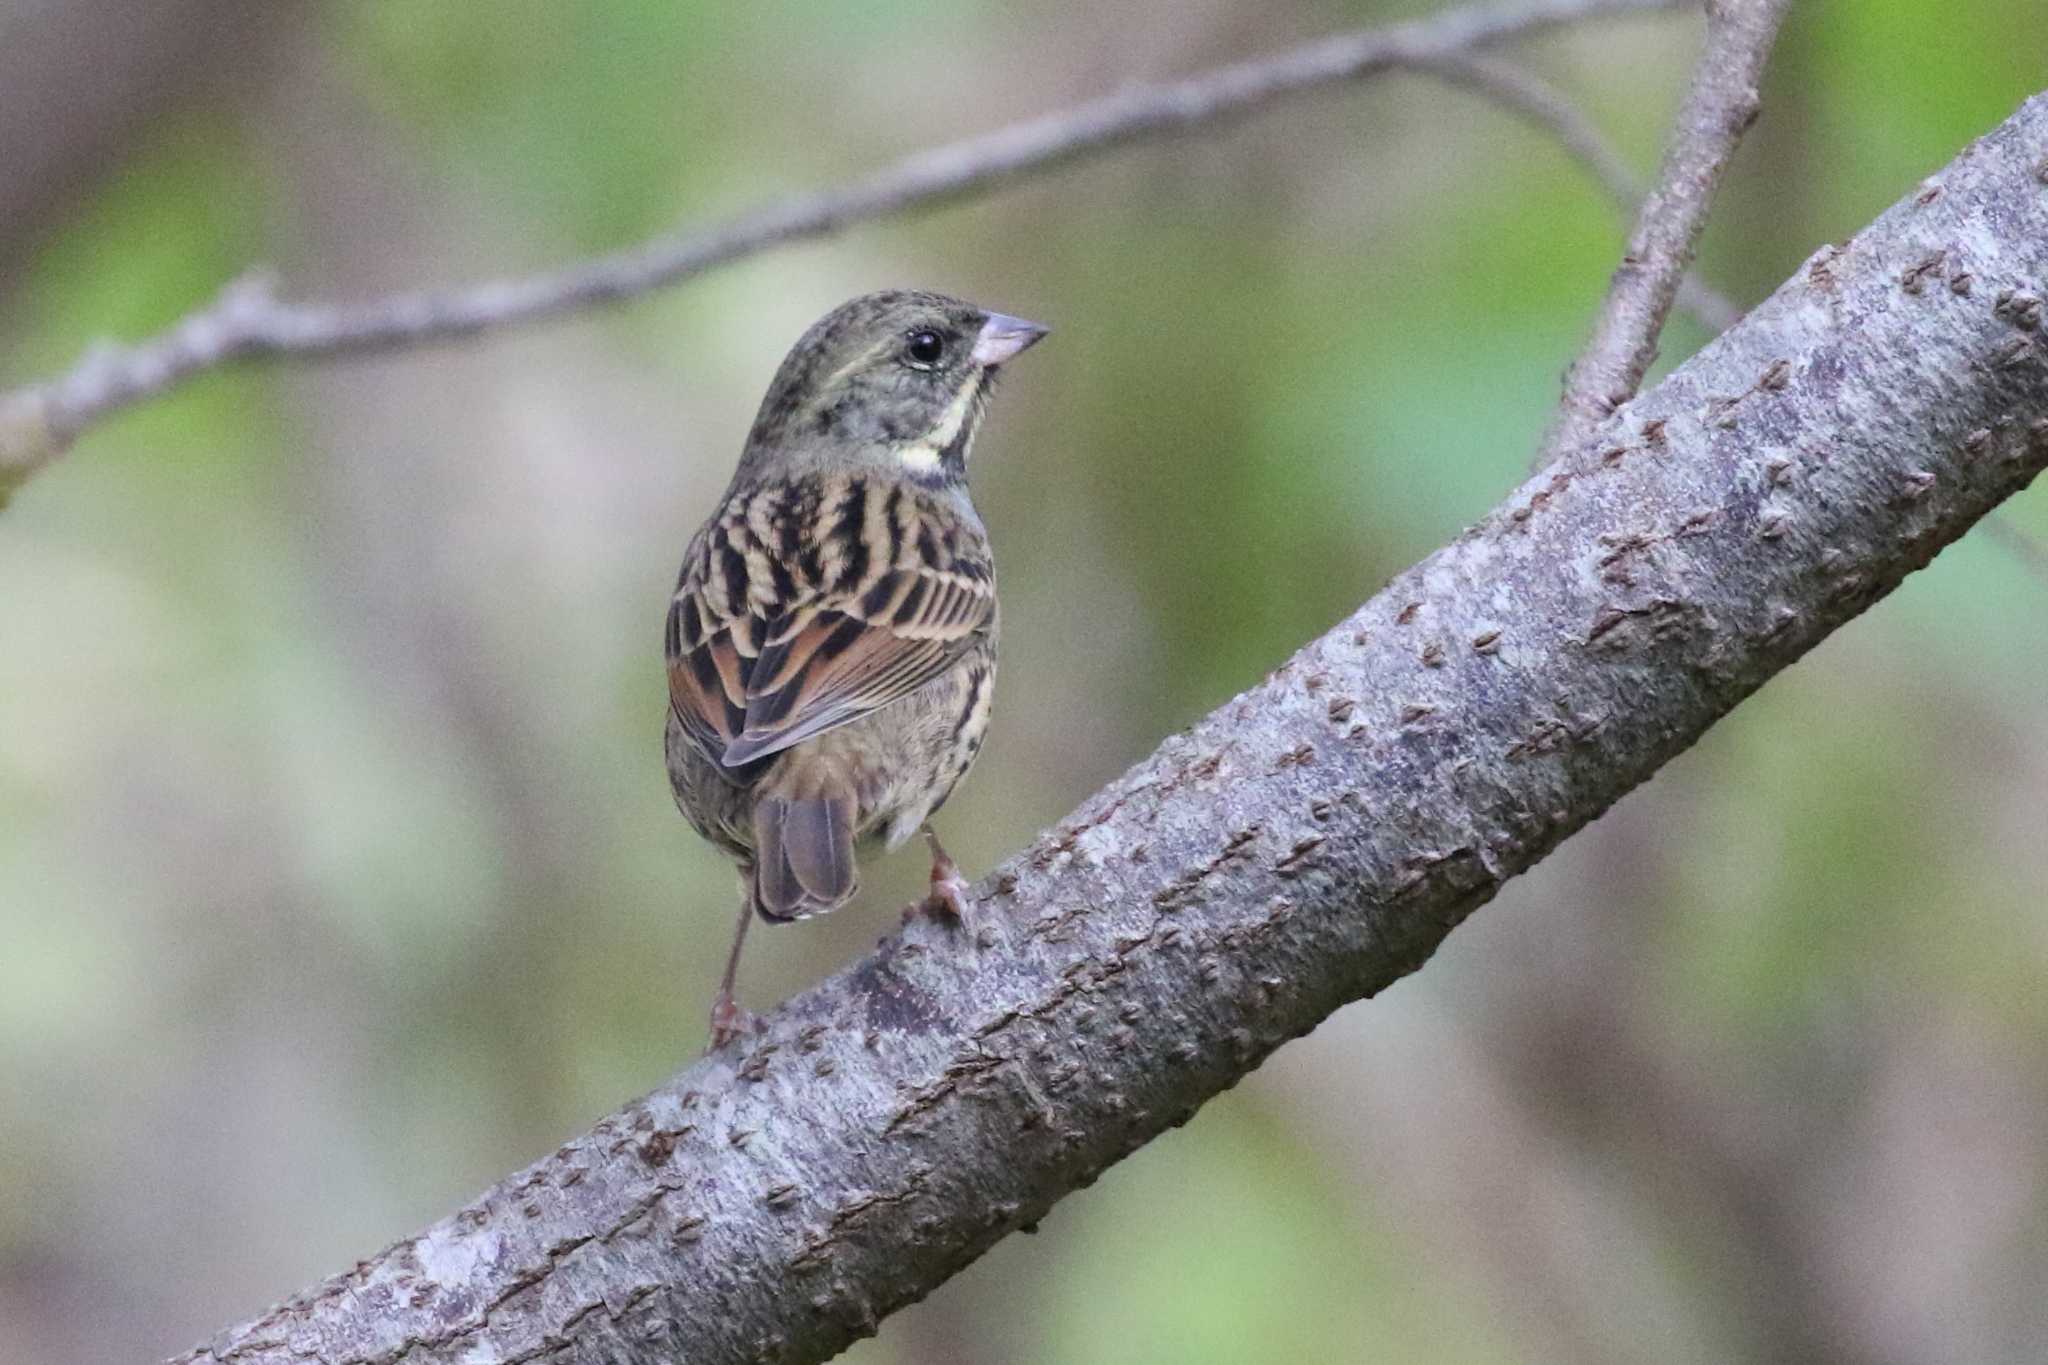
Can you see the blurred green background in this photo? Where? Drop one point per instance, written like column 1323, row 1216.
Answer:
column 338, row 871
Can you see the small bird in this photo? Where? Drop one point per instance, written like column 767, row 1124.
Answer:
column 831, row 644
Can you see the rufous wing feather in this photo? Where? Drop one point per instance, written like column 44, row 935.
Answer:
column 761, row 658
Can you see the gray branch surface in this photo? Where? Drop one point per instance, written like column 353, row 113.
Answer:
column 1719, row 107
column 249, row 322
column 1308, row 844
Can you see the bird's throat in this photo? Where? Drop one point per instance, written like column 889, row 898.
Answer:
column 940, row 455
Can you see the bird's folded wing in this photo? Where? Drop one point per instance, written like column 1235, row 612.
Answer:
column 762, row 657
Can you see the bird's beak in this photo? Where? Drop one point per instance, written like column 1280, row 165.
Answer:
column 1003, row 336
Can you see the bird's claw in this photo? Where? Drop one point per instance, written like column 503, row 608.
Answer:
column 729, row 1020
column 947, row 904
column 948, row 898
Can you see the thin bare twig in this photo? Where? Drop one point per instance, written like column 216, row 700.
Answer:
column 1535, row 102
column 250, row 322
column 1524, row 94
column 1719, row 107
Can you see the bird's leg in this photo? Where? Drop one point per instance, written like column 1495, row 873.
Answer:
column 949, row 889
column 728, row 1019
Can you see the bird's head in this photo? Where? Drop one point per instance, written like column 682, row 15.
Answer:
column 899, row 378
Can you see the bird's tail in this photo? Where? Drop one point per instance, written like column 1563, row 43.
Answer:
column 803, row 847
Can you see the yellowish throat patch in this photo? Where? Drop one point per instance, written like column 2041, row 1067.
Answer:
column 923, row 456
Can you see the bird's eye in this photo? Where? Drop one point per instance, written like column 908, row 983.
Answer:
column 925, row 348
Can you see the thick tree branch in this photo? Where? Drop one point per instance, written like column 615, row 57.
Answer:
column 1306, row 845
column 1718, row 109
column 249, row 322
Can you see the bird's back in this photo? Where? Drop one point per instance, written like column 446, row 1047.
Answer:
column 831, row 649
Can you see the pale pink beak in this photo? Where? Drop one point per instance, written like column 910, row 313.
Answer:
column 1003, row 336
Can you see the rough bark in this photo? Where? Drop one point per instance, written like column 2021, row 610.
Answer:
column 1306, row 845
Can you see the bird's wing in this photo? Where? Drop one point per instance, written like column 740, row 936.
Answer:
column 803, row 607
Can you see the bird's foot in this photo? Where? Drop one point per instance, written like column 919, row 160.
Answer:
column 947, row 902
column 947, row 908
column 729, row 1020
column 948, row 898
